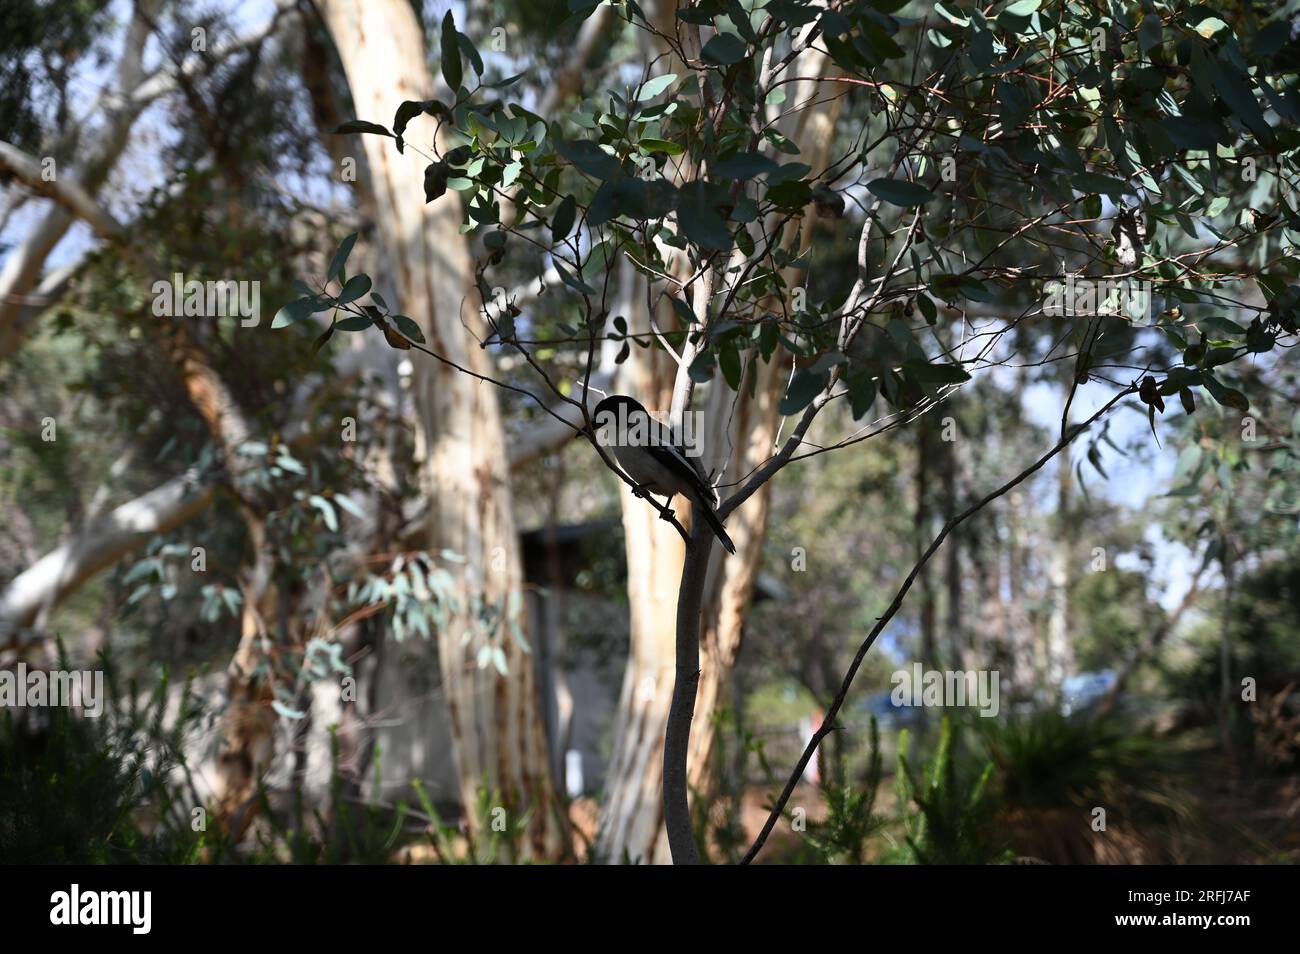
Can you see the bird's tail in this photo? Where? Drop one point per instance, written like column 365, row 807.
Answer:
column 702, row 508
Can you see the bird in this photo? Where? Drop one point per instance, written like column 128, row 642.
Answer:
column 655, row 463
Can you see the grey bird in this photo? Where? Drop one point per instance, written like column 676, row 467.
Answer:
column 646, row 452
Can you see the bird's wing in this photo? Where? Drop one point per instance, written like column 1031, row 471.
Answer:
column 688, row 469
column 706, row 488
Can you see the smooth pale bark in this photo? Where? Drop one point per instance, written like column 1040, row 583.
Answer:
column 61, row 571
column 632, row 815
column 496, row 721
column 730, row 587
column 632, row 819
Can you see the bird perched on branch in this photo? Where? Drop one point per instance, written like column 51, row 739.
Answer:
column 654, row 462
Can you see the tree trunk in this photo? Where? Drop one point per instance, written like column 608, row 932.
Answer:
column 959, row 650
column 496, row 720
column 1020, row 629
column 632, row 823
column 101, row 544
column 921, row 531
column 1060, row 655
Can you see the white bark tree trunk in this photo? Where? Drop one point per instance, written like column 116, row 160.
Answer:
column 631, row 826
column 496, row 721
column 47, row 581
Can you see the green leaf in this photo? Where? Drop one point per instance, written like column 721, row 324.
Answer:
column 928, row 308
column 574, row 282
column 293, row 312
column 1228, row 397
column 562, row 221
column 414, row 107
column 653, row 87
column 458, row 156
column 467, row 47
column 357, row 286
column 790, row 196
column 901, row 192
column 724, row 49
column 789, row 172
column 743, row 165
column 437, row 176
column 731, row 365
column 350, row 505
column 1190, row 133
column 361, row 126
column 589, row 157
column 880, row 44
column 1210, row 26
column 1149, row 32
column 936, row 373
column 699, row 218
column 1237, row 94
column 1189, row 463
column 827, row 361
column 949, row 287
column 701, row 369
column 684, row 311
column 340, row 258
column 790, row 12
column 452, row 70
column 661, row 145
column 326, row 510
column 408, row 327
column 1271, row 38
column 862, row 393
column 635, row 198
column 1095, row 182
column 807, row 384
column 353, row 323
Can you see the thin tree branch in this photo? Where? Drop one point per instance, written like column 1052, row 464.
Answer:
column 828, row 722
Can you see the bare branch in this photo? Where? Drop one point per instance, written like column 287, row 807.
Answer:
column 99, row 545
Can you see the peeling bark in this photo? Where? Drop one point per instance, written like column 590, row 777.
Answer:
column 496, row 720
